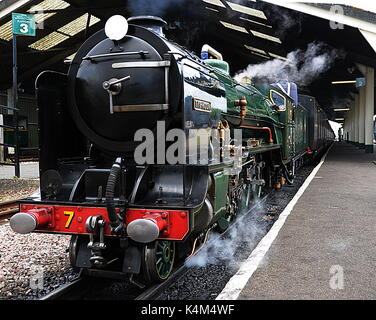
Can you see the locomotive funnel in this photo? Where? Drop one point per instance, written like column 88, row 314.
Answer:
column 151, row 23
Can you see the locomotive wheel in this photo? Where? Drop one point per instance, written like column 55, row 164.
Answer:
column 158, row 260
column 73, row 251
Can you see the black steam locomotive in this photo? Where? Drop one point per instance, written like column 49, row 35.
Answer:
column 134, row 220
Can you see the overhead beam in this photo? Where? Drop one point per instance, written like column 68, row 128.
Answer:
column 326, row 14
column 7, row 7
column 370, row 37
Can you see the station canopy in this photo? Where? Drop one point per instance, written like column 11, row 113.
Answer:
column 246, row 32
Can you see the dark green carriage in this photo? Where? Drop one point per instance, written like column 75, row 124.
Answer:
column 294, row 140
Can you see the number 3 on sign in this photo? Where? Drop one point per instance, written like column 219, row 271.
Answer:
column 70, row 215
column 24, row 28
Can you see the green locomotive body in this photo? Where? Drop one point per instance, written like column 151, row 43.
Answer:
column 288, row 123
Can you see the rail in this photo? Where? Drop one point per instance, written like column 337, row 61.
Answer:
column 8, row 208
column 65, row 292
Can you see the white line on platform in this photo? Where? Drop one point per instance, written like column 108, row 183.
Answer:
column 237, row 283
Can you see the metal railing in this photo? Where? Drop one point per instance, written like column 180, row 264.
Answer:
column 16, row 163
column 9, row 208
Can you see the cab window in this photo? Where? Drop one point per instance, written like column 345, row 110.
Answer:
column 278, row 99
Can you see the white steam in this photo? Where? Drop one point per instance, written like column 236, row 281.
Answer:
column 223, row 250
column 302, row 67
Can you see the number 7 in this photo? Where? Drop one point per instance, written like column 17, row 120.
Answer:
column 69, row 221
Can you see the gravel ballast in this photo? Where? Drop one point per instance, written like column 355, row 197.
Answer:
column 25, row 259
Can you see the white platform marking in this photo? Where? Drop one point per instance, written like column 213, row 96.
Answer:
column 237, row 283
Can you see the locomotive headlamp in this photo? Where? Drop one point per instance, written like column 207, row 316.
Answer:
column 116, row 27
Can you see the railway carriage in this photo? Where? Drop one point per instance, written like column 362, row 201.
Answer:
column 131, row 220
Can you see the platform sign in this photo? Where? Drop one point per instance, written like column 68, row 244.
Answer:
column 23, row 24
column 360, row 82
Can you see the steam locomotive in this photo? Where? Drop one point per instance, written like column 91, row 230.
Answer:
column 132, row 220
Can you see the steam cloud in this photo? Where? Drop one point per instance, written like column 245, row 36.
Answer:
column 222, row 250
column 302, row 67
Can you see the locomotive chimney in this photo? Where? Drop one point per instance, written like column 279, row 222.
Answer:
column 151, row 23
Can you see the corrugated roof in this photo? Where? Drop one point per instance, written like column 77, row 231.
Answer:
column 64, row 33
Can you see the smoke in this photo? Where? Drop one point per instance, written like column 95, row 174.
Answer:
column 243, row 235
column 287, row 23
column 150, row 7
column 284, row 21
column 302, row 67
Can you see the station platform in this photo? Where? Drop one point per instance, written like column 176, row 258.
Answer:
column 331, row 229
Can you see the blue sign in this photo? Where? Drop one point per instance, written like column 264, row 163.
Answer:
column 361, row 82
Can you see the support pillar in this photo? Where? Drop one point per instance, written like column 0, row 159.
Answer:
column 1, row 139
column 352, row 136
column 348, row 119
column 369, row 109
column 361, row 101
column 356, row 121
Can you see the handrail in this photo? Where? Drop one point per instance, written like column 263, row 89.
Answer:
column 8, row 145
column 7, row 127
column 9, row 108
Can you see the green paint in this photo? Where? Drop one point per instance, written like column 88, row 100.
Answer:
column 223, row 223
column 221, row 66
column 221, row 189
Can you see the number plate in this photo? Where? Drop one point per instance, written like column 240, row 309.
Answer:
column 23, row 24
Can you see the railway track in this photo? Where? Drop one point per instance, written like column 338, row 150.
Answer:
column 154, row 292
column 65, row 291
column 83, row 286
column 8, row 208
